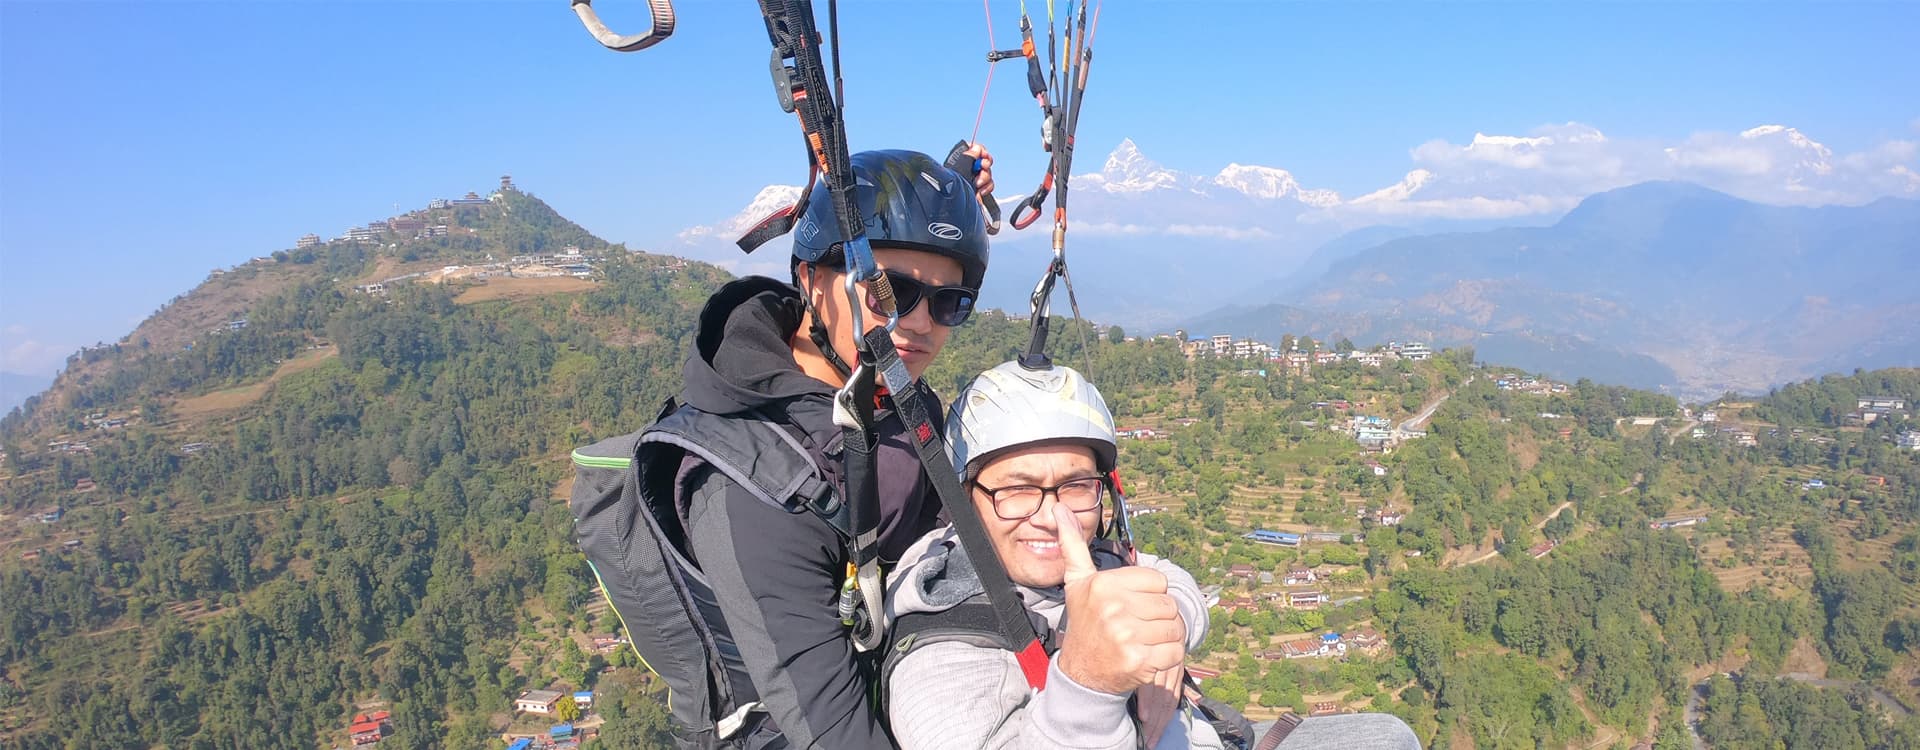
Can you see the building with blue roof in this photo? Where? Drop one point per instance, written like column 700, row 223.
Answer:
column 1282, row 538
column 561, row 731
column 521, row 744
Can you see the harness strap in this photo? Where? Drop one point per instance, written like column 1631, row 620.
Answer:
column 862, row 482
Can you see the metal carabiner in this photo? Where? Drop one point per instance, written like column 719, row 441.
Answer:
column 662, row 26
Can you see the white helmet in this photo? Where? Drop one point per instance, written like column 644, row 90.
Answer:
column 1010, row 406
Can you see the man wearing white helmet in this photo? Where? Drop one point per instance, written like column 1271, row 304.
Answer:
column 1036, row 449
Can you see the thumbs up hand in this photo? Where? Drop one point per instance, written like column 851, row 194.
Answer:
column 1122, row 628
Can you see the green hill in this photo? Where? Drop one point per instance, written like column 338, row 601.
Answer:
column 355, row 503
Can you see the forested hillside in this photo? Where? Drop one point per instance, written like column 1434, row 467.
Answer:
column 242, row 538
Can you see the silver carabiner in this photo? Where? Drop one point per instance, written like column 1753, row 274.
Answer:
column 662, row 26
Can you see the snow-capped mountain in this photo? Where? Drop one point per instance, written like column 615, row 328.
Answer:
column 1128, row 171
column 1272, row 184
column 770, row 199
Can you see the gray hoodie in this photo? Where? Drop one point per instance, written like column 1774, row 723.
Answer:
column 958, row 695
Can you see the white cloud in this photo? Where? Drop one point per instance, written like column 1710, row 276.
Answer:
column 1476, row 207
column 1540, row 173
column 1554, row 166
column 32, row 356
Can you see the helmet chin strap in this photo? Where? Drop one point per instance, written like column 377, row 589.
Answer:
column 817, row 331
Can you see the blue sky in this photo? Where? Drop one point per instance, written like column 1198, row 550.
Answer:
column 143, row 144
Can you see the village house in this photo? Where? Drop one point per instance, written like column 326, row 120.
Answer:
column 367, row 729
column 1909, row 440
column 1327, row 645
column 583, row 699
column 1305, row 598
column 1675, row 523
column 1279, row 538
column 1376, row 468
column 84, row 485
column 1242, row 571
column 1137, row 433
column 1540, row 550
column 1887, row 403
column 306, row 241
column 1389, row 517
column 537, row 701
column 1367, row 641
column 1324, row 708
column 1299, row 575
column 1372, row 438
column 606, row 643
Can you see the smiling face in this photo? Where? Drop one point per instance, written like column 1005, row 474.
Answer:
column 1030, row 548
column 917, row 338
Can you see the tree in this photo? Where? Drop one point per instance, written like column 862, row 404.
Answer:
column 566, row 709
column 1116, row 335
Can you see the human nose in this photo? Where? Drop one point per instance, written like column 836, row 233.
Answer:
column 1042, row 517
column 919, row 319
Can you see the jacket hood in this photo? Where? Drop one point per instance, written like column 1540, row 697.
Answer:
column 742, row 359
column 935, row 575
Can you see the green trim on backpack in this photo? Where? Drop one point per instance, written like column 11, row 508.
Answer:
column 600, row 462
column 608, row 598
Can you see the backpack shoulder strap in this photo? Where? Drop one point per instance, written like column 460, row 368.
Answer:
column 759, row 455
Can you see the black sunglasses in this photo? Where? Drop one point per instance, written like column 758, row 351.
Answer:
column 947, row 305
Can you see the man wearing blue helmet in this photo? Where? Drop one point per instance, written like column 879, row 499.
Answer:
column 776, row 352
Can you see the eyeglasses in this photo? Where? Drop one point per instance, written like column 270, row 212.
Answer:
column 947, row 305
column 1021, row 501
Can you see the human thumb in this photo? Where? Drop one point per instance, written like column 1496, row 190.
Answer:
column 1073, row 544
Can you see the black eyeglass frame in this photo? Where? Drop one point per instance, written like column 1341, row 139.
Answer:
column 1104, row 481
column 943, row 305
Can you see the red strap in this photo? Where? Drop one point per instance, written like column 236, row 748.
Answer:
column 1033, row 663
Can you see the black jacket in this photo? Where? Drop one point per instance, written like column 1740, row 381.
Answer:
column 776, row 573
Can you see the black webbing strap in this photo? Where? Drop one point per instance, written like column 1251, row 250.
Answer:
column 1009, row 612
column 803, row 89
column 862, row 480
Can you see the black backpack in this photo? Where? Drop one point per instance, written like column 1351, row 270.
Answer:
column 632, row 529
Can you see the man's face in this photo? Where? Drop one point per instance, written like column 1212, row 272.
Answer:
column 917, row 338
column 1030, row 547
